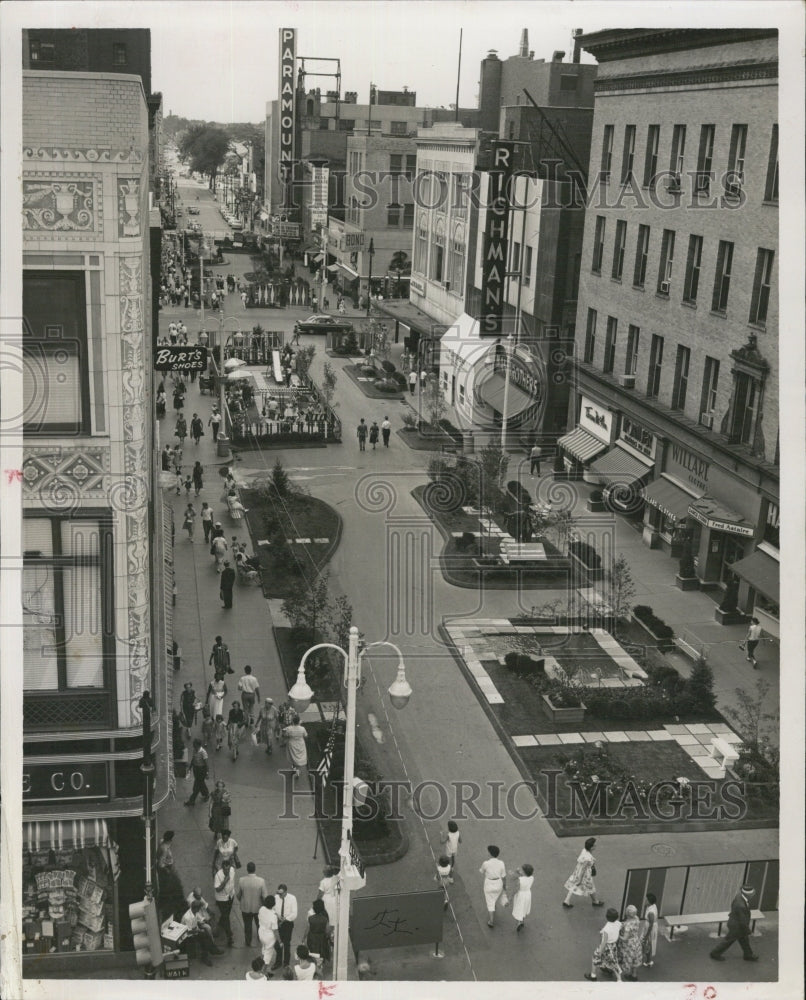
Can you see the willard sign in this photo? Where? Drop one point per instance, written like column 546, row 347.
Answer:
column 495, row 244
column 288, row 53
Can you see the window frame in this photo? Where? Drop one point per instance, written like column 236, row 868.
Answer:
column 589, row 351
column 119, row 49
column 734, row 178
column 611, row 334
column 677, row 158
column 394, row 213
column 705, row 159
column 722, row 276
column 745, row 384
column 655, row 371
column 631, row 354
column 641, row 255
column 691, row 282
column 527, row 265
column 651, row 155
column 599, row 234
column 771, row 180
column 710, row 388
column 666, row 265
column 619, row 250
column 628, row 154
column 682, row 368
column 760, row 284
column 606, row 164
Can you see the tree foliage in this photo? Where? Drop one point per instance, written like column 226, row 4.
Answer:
column 621, row 589
column 329, row 380
column 434, row 402
column 205, row 147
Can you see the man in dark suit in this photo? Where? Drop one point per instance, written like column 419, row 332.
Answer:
column 738, row 926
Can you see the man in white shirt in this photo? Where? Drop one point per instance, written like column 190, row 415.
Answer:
column 224, row 887
column 249, row 687
column 752, row 640
column 386, row 430
column 200, row 931
column 286, row 909
column 196, row 896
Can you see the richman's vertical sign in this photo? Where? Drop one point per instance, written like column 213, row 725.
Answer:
column 288, row 54
column 495, row 243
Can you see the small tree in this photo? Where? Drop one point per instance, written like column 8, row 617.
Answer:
column 700, row 685
column 621, row 590
column 328, row 384
column 304, row 360
column 492, row 464
column 754, row 724
column 434, row 402
column 687, row 558
column 279, row 483
column 341, row 620
column 308, row 608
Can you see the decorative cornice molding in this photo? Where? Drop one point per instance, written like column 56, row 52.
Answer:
column 84, row 154
column 694, row 77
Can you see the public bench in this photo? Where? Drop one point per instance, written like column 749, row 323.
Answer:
column 718, row 918
column 728, row 752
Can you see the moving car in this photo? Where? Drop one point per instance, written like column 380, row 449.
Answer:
column 323, row 323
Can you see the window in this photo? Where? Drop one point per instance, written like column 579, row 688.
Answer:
column 395, row 163
column 772, row 525
column 461, row 392
column 41, row 52
column 598, row 244
column 677, row 161
column 411, row 166
column 456, row 263
column 618, row 249
column 399, row 128
column 568, row 82
column 610, row 344
column 515, row 263
column 628, row 158
column 527, row 266
column 710, row 383
column 724, row 262
column 55, row 362
column 346, row 124
column 119, row 57
column 666, row 262
column 746, row 398
column 631, row 358
column 421, row 242
column 393, row 215
column 760, row 300
column 408, row 215
column 655, row 366
column 734, row 179
column 68, row 611
column 705, row 159
column 590, row 337
column 607, row 153
column 693, row 264
column 680, row 387
column 651, row 159
column 771, row 186
column 438, row 251
column 641, row 254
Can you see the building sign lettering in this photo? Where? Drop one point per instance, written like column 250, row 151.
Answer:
column 637, row 436
column 288, row 53
column 716, row 524
column 417, row 286
column 595, row 419
column 353, row 241
column 55, row 782
column 496, row 241
column 180, row 358
column 688, row 466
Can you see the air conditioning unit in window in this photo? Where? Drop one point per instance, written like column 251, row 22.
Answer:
column 673, row 183
column 664, row 287
column 627, row 381
column 733, row 190
column 707, row 420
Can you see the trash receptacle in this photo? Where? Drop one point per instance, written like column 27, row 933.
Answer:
column 468, row 443
column 223, row 450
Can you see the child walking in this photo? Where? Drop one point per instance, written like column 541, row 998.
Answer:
column 220, row 731
column 207, row 726
column 444, row 877
column 451, row 839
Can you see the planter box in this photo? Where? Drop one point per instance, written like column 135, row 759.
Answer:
column 565, row 715
column 734, row 617
column 664, row 645
column 595, row 506
column 592, row 574
column 686, row 582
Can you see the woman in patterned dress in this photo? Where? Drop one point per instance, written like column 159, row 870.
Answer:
column 605, row 955
column 630, row 946
column 580, row 882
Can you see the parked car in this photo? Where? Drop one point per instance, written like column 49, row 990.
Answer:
column 236, row 224
column 192, row 210
column 323, row 323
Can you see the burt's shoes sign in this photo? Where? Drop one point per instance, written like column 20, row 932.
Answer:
column 180, row 358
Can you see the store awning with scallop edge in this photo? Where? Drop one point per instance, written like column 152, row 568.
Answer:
column 617, row 466
column 669, row 499
column 581, row 445
column 56, row 834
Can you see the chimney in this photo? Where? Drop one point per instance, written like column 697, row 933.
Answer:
column 524, row 52
column 557, row 56
column 577, row 43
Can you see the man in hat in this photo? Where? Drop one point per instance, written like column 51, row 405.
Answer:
column 738, row 926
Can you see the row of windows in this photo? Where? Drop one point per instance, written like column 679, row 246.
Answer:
column 734, row 177
column 746, row 388
column 45, row 52
column 760, row 299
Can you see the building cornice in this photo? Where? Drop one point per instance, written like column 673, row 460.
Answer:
column 611, row 45
column 698, row 76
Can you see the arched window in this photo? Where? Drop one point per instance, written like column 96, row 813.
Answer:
column 437, row 261
column 421, row 242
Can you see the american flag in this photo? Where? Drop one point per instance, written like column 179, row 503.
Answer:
column 323, row 767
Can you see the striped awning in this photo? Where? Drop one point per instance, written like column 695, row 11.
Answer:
column 581, row 445
column 65, row 833
column 618, row 466
column 346, row 269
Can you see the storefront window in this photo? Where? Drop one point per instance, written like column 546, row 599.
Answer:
column 68, row 899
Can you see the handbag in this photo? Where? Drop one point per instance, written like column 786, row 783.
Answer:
column 593, row 870
column 504, row 898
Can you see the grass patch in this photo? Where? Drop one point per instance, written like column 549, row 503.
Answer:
column 368, row 388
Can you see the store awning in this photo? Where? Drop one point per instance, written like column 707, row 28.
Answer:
column 714, row 515
column 264, row 216
column 346, row 270
column 332, row 268
column 618, row 466
column 493, row 391
column 319, row 258
column 581, row 445
column 65, row 833
column 762, row 572
column 669, row 499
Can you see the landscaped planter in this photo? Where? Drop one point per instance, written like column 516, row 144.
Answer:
column 595, row 506
column 664, row 645
column 734, row 617
column 566, row 715
column 591, row 573
column 686, row 582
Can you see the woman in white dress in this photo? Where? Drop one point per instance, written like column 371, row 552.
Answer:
column 650, row 939
column 495, row 872
column 267, row 929
column 305, row 967
column 328, row 893
column 216, row 693
column 522, row 900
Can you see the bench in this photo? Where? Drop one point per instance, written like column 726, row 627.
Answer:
column 522, row 552
column 728, row 752
column 708, row 918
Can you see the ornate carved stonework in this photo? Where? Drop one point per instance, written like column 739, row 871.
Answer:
column 84, row 154
column 131, row 294
column 694, row 77
column 56, row 477
column 63, row 204
column 128, row 206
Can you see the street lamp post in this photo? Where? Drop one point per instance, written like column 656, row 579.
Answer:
column 371, row 253
column 301, row 696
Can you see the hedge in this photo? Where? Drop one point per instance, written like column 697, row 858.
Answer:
column 586, row 553
column 657, row 626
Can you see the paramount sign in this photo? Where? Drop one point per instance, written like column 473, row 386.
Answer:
column 288, row 53
column 495, row 245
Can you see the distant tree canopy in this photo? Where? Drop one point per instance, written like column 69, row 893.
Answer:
column 204, row 147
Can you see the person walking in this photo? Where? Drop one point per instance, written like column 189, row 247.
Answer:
column 218, row 549
column 522, row 900
column 220, row 812
column 220, row 659
column 739, row 920
column 319, row 933
column 224, row 889
column 361, row 434
column 451, row 839
column 176, row 456
column 296, row 747
column 605, row 955
column 386, row 430
column 236, row 723
column 165, row 858
column 214, row 423
column 534, row 459
column 196, row 428
column 495, row 872
column 630, row 950
column 286, row 908
column 249, row 686
column 751, row 641
column 198, row 477
column 373, row 434
column 179, row 398
column 207, row 520
column 227, row 583
column 267, row 928
column 199, row 768
column 267, row 725
column 166, row 457
column 412, row 381
column 187, row 708
column 190, row 520
column 216, row 693
column 650, row 938
column 181, row 429
column 251, row 892
column 580, row 881
column 444, row 877
column 329, row 893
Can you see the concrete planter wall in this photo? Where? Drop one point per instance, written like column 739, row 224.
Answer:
column 592, row 574
column 686, row 582
column 663, row 644
column 572, row 715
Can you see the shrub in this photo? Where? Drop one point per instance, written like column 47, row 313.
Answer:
column 409, row 421
column 586, row 553
column 467, row 541
column 524, row 665
column 597, row 496
column 386, row 385
column 519, row 492
column 450, row 430
column 687, row 559
column 700, row 686
column 438, row 466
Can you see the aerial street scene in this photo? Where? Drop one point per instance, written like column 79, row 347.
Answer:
column 403, row 594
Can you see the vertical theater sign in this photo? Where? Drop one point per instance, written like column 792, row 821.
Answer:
column 495, row 243
column 288, row 53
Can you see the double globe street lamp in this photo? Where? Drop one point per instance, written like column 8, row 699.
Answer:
column 301, row 696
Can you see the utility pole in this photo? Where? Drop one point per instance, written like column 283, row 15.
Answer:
column 371, row 253
column 147, row 767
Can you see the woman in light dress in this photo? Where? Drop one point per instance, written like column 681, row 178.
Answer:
column 267, row 928
column 650, row 939
column 605, row 955
column 495, row 872
column 216, row 693
column 305, row 967
column 226, row 849
column 522, row 900
column 328, row 893
column 580, row 882
column 296, row 748
column 630, row 946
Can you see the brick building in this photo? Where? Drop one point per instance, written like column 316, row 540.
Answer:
column 675, row 412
